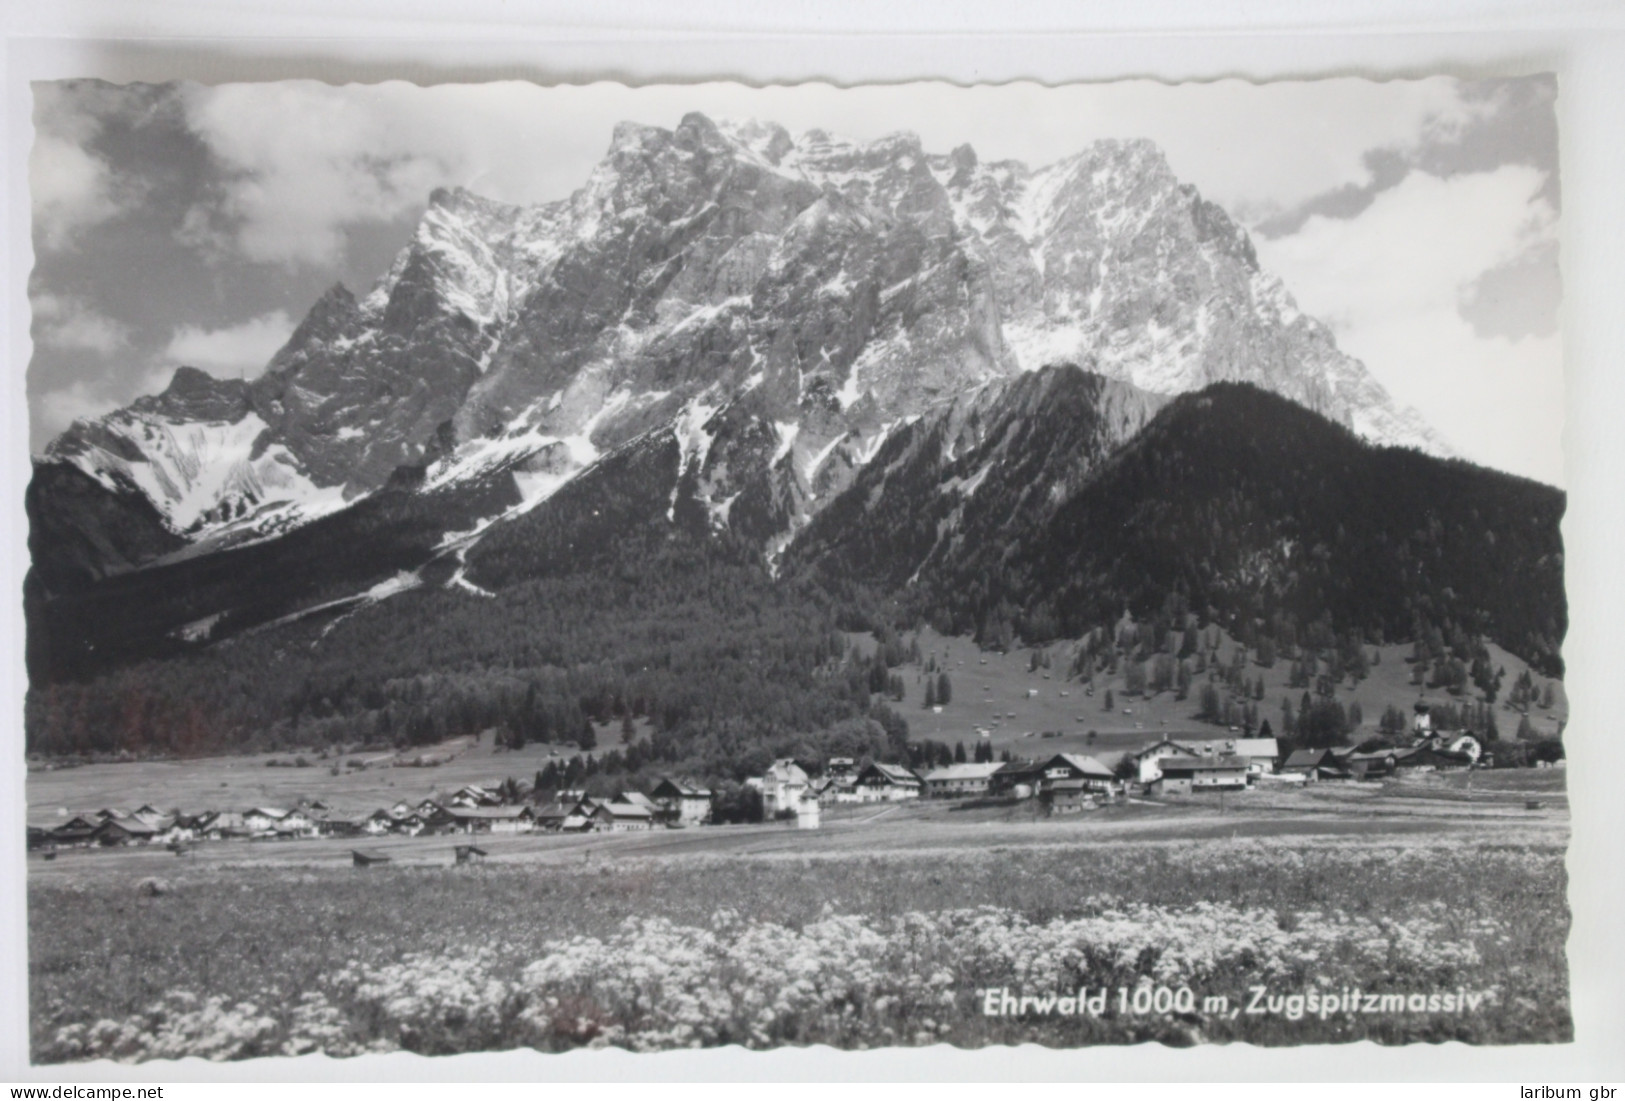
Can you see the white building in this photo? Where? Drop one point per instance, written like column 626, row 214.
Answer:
column 784, row 787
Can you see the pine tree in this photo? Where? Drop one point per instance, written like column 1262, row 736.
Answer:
column 1208, row 706
column 945, row 690
column 959, row 753
column 1109, row 705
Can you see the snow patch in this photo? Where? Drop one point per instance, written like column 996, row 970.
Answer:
column 787, row 430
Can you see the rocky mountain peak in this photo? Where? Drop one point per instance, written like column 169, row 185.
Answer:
column 196, row 395
column 822, row 290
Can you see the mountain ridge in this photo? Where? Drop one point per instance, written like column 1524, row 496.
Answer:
column 1044, row 506
column 837, row 288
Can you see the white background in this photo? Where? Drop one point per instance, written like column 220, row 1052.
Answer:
column 850, row 42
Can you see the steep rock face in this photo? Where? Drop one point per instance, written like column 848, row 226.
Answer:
column 201, row 455
column 783, row 305
column 982, row 471
column 1106, row 259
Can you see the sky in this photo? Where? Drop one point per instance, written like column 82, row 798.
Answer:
column 191, row 224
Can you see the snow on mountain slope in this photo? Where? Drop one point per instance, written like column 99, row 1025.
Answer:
column 200, row 456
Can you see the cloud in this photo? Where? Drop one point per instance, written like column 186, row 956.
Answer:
column 72, row 190
column 57, row 409
column 1392, row 282
column 67, row 324
column 236, row 350
column 72, row 185
column 1494, row 123
column 299, row 161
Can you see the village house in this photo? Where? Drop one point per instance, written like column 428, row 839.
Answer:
column 77, row 832
column 125, row 831
column 839, row 782
column 842, row 770
column 682, row 802
column 783, row 786
column 579, row 820
column 340, row 825
column 1068, row 796
column 475, row 795
column 460, row 819
column 1461, row 750
column 1261, row 754
column 220, row 825
column 552, row 816
column 262, row 820
column 1429, row 757
column 174, row 830
column 1147, row 761
column 883, row 783
column 1184, row 775
column 959, row 781
column 411, row 823
column 1372, row 765
column 1024, row 779
column 1306, row 763
column 637, row 799
column 378, row 822
column 296, row 823
column 621, row 817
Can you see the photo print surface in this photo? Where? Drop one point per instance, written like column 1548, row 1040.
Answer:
column 523, row 566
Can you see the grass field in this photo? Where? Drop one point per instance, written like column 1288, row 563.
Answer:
column 988, row 689
column 887, row 926
column 241, row 781
column 991, row 691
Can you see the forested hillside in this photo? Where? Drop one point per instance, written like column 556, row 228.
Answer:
column 692, row 634
column 78, row 627
column 1043, row 512
column 1238, row 504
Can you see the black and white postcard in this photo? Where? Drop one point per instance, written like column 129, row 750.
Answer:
column 522, row 566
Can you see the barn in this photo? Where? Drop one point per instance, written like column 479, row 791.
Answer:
column 621, row 817
column 460, row 819
column 125, row 831
column 959, row 781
